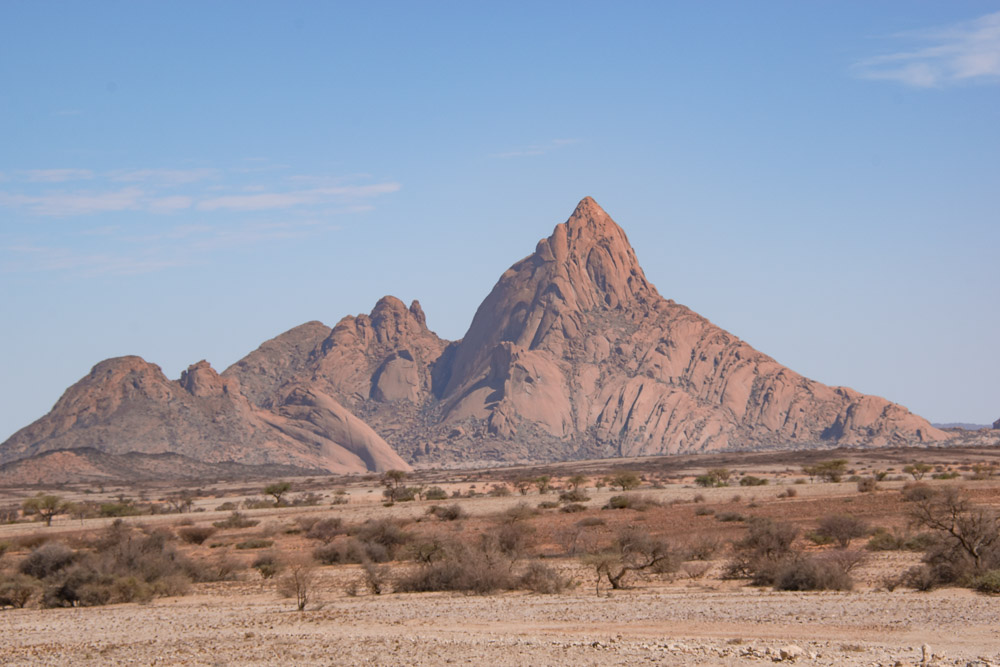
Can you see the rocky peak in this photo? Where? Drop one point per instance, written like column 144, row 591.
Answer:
column 201, row 380
column 996, row 424
column 586, row 265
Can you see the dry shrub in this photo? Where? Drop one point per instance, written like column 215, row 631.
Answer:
column 695, row 570
column 591, row 521
column 788, row 493
column 867, row 485
column 574, row 507
column 236, row 520
column 842, row 528
column 47, row 560
column 729, row 517
column 574, row 496
column 520, row 512
column 478, row 569
column 267, row 563
column 917, row 491
column 702, row 547
column 256, row 543
column 324, row 530
column 452, row 512
column 435, row 493
column 814, row 573
column 541, row 578
column 631, row 501
column 988, row 582
column 703, row 511
column 633, row 550
column 196, row 534
column 759, row 555
column 17, row 589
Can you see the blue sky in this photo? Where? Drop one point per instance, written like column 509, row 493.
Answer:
column 186, row 180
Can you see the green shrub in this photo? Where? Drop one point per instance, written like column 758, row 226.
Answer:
column 988, row 582
column 255, row 544
column 750, row 480
column 435, row 493
column 574, row 496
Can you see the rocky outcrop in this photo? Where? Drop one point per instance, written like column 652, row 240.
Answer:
column 996, row 424
column 127, row 405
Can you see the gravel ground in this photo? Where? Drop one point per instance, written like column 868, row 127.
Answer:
column 677, row 624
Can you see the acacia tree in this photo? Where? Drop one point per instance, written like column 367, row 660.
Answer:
column 830, row 471
column 393, row 481
column 971, row 529
column 918, row 470
column 576, row 481
column 46, row 507
column 277, row 490
column 544, row 483
column 627, row 480
column 633, row 550
column 181, row 501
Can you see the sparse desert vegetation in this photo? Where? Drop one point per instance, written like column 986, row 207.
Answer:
column 662, row 538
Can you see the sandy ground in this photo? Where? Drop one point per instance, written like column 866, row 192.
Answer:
column 678, row 623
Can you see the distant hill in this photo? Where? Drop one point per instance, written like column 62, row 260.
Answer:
column 963, row 425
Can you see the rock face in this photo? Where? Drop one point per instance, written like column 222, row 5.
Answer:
column 127, row 405
column 996, row 424
column 574, row 342
column 573, row 354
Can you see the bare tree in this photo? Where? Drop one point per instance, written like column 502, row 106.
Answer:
column 971, row 528
column 298, row 581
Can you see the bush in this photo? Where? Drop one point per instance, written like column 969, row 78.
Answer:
column 750, row 480
column 255, row 544
column 236, row 520
column 267, row 563
column 324, row 530
column 451, row 512
column 46, row 560
column 17, row 589
column 867, row 485
column 330, row 554
column 590, row 521
column 988, row 582
column 574, row 496
column 730, row 516
column 703, row 511
column 574, row 507
column 540, row 578
column 548, row 505
column 788, row 493
column 883, row 540
column 435, row 493
column 479, row 570
column 631, row 501
column 196, row 534
column 759, row 555
column 842, row 528
column 914, row 492
column 812, row 574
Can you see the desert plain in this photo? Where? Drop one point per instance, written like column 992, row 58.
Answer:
column 690, row 612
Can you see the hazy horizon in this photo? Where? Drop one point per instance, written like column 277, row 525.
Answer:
column 184, row 181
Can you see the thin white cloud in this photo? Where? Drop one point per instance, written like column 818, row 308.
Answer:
column 965, row 52
column 77, row 203
column 169, row 204
column 537, row 149
column 43, row 258
column 57, row 175
column 281, row 200
column 165, row 176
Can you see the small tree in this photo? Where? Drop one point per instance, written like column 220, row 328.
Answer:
column 714, row 477
column 918, row 470
column 968, row 529
column 633, row 551
column 576, row 481
column 626, row 480
column 523, row 486
column 829, row 471
column 181, row 501
column 298, row 582
column 842, row 528
column 277, row 490
column 393, row 481
column 544, row 483
column 46, row 507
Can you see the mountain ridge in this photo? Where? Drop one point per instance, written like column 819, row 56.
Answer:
column 572, row 354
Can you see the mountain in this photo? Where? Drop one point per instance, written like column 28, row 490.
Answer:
column 996, row 424
column 127, row 405
column 573, row 354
